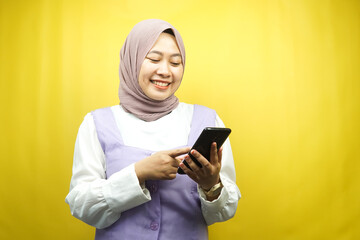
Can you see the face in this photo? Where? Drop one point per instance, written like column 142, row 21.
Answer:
column 162, row 70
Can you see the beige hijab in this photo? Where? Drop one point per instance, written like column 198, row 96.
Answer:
column 137, row 44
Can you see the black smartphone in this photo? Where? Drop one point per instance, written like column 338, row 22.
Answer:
column 203, row 143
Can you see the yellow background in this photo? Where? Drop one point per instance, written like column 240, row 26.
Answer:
column 284, row 75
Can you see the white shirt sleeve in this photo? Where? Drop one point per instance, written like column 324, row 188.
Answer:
column 224, row 207
column 93, row 198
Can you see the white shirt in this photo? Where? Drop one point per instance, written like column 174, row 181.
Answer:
column 99, row 201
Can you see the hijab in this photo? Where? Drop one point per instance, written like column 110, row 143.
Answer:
column 137, row 44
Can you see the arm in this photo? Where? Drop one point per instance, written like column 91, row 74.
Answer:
column 221, row 167
column 93, row 198
column 224, row 207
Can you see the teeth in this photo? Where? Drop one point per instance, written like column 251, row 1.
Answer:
column 162, row 84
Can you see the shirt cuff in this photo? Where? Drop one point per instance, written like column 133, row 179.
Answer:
column 122, row 190
column 217, row 204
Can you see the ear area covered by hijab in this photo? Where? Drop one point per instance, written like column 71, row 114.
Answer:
column 137, row 44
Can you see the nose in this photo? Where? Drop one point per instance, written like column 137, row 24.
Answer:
column 163, row 69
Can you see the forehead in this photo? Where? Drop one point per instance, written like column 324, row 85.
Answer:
column 166, row 43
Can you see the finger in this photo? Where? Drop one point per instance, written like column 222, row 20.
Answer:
column 200, row 158
column 179, row 159
column 188, row 172
column 193, row 166
column 177, row 152
column 172, row 175
column 175, row 162
column 169, row 161
column 220, row 154
column 213, row 154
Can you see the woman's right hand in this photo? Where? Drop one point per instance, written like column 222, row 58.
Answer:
column 161, row 165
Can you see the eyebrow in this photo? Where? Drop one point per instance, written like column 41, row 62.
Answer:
column 160, row 53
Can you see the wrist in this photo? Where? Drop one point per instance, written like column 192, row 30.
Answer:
column 209, row 186
column 139, row 173
column 214, row 191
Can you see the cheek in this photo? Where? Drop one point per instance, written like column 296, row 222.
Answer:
column 178, row 73
column 145, row 70
column 142, row 79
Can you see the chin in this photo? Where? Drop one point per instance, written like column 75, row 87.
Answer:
column 158, row 95
column 158, row 98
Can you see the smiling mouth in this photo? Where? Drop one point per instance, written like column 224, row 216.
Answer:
column 160, row 84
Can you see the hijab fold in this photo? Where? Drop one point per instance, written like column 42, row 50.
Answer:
column 137, row 44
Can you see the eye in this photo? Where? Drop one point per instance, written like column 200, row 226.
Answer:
column 175, row 63
column 153, row 60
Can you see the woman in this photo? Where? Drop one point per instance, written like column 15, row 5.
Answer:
column 126, row 157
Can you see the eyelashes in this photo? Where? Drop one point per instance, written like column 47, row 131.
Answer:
column 153, row 60
column 157, row 61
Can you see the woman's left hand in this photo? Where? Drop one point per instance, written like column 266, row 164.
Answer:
column 209, row 174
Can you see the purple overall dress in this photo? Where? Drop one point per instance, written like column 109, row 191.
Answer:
column 174, row 211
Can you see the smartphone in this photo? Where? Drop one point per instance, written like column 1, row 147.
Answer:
column 203, row 143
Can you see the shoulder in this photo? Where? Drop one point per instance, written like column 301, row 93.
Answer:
column 91, row 118
column 206, row 112
column 190, row 107
column 184, row 107
column 101, row 110
column 104, row 113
